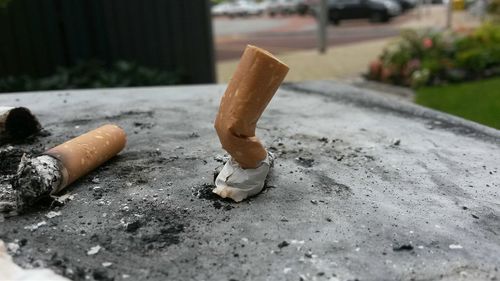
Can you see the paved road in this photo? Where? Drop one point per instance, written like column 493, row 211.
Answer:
column 293, row 33
column 235, row 27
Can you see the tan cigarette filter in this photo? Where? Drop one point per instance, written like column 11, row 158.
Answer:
column 83, row 154
column 258, row 76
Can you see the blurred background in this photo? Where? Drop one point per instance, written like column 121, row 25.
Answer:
column 443, row 54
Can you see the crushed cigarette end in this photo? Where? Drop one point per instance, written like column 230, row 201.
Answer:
column 36, row 178
column 238, row 184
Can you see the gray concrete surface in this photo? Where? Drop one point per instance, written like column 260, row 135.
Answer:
column 364, row 188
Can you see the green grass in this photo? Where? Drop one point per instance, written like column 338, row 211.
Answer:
column 478, row 101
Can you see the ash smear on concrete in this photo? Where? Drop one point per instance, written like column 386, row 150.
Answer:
column 126, row 240
column 135, row 115
column 307, row 151
column 130, row 229
column 404, row 247
column 329, row 185
column 204, row 191
column 148, row 230
column 141, row 163
column 305, row 162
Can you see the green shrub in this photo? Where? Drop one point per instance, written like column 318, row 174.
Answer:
column 494, row 10
column 474, row 60
column 479, row 50
column 92, row 74
column 4, row 3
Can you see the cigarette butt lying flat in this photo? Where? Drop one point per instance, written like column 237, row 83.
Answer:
column 88, row 151
column 17, row 123
column 257, row 78
column 62, row 165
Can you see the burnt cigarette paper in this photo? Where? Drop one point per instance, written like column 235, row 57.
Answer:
column 17, row 123
column 256, row 80
column 60, row 166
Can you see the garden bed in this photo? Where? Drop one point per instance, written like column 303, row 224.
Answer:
column 436, row 57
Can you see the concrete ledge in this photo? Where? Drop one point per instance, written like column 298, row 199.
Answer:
column 369, row 99
column 364, row 188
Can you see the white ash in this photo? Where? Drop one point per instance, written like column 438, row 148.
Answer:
column 52, row 214
column 35, row 226
column 13, row 247
column 36, row 178
column 455, row 246
column 7, row 197
column 94, row 250
column 63, row 199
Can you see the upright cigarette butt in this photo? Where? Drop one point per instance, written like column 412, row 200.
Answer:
column 83, row 154
column 256, row 80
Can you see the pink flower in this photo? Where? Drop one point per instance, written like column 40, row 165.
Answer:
column 410, row 67
column 375, row 68
column 386, row 74
column 427, row 42
column 414, row 64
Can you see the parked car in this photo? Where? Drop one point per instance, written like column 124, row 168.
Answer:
column 407, row 4
column 282, row 7
column 251, row 8
column 375, row 10
column 239, row 8
column 221, row 9
column 305, row 7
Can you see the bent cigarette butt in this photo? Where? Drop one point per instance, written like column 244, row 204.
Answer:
column 58, row 167
column 83, row 154
column 256, row 80
column 17, row 123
